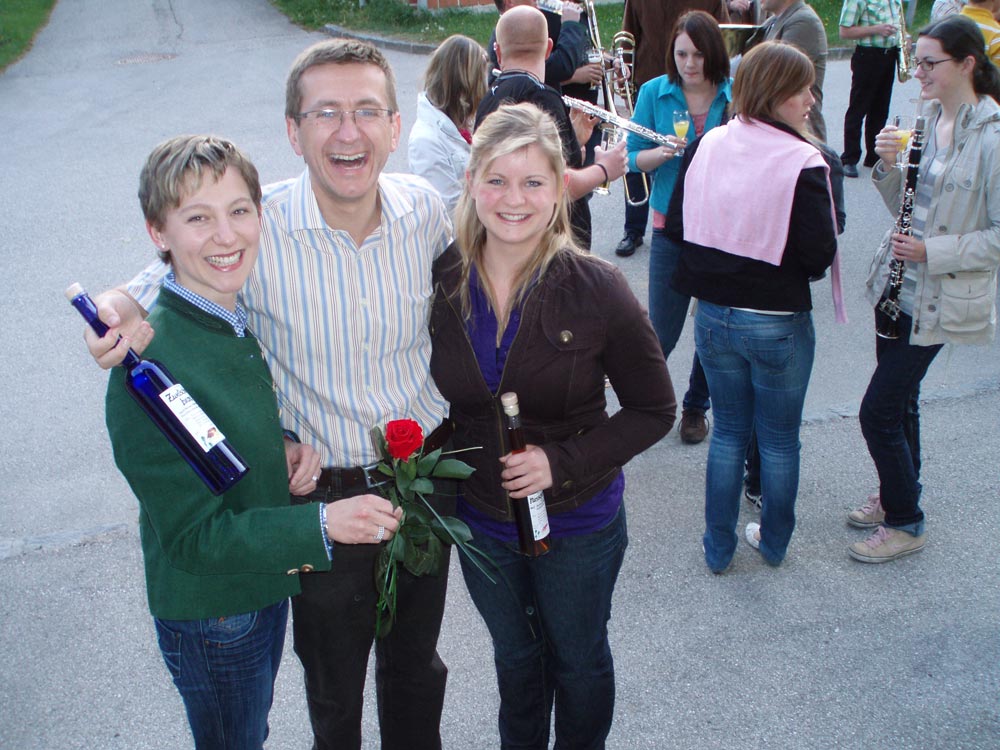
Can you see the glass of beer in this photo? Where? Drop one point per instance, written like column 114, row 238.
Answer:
column 904, row 128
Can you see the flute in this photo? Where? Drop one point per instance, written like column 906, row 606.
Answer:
column 620, row 122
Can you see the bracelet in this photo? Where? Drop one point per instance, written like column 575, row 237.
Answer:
column 601, row 167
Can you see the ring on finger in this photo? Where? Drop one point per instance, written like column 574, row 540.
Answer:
column 380, row 535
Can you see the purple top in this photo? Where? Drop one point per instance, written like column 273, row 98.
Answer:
column 593, row 515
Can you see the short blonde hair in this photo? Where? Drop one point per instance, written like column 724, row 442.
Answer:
column 766, row 77
column 455, row 79
column 178, row 166
column 510, row 128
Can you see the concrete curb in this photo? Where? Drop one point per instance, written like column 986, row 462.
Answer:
column 400, row 45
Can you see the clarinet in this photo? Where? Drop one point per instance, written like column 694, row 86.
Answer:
column 887, row 327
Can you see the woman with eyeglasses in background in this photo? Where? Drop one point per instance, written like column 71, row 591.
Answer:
column 948, row 292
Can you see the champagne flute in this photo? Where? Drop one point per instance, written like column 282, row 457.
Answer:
column 682, row 124
column 904, row 128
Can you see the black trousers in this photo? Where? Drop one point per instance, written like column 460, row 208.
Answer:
column 334, row 630
column 872, row 73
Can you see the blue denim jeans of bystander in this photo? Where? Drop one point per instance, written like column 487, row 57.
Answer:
column 667, row 311
column 549, row 625
column 890, row 422
column 224, row 669
column 758, row 369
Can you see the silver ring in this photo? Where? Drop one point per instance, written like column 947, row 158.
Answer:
column 315, row 477
column 380, row 535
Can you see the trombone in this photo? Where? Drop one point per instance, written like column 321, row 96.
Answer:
column 622, row 53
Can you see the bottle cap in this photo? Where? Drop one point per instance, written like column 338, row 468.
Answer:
column 510, row 406
column 73, row 291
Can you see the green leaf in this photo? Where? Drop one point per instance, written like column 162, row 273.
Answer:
column 385, row 468
column 380, row 444
column 398, row 548
column 423, row 486
column 452, row 530
column 452, row 468
column 407, row 470
column 427, row 463
column 424, row 561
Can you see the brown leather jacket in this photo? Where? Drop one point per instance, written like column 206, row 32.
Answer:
column 579, row 322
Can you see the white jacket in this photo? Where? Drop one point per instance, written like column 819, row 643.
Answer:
column 437, row 151
column 955, row 298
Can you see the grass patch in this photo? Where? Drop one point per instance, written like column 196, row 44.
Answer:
column 397, row 19
column 20, row 20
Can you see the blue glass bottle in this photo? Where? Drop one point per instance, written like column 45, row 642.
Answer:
column 172, row 409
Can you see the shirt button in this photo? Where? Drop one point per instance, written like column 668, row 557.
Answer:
column 293, row 571
column 307, row 568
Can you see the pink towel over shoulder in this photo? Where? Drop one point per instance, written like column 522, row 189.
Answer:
column 731, row 206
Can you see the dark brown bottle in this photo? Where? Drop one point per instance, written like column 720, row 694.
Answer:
column 529, row 512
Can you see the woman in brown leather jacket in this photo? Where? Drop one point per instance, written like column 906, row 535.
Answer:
column 519, row 308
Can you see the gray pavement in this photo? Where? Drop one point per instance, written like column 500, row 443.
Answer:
column 821, row 653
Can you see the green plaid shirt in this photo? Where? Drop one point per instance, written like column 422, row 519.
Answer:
column 872, row 13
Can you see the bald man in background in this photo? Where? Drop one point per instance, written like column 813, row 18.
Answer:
column 522, row 46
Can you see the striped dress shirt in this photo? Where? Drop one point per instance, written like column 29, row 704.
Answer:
column 344, row 327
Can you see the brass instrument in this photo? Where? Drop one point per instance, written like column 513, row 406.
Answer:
column 619, row 122
column 610, row 134
column 888, row 326
column 623, row 51
column 737, row 37
column 904, row 60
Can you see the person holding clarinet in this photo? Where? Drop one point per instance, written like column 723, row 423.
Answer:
column 945, row 290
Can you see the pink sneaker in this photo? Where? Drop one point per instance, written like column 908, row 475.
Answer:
column 886, row 545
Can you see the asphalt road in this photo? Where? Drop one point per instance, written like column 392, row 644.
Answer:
column 821, row 653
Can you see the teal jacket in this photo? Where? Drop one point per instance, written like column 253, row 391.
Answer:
column 209, row 556
column 654, row 109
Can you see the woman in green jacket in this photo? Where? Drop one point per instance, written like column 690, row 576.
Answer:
column 220, row 569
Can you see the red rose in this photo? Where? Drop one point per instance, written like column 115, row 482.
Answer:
column 404, row 436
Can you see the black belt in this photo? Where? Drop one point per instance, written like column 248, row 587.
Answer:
column 368, row 476
column 864, row 48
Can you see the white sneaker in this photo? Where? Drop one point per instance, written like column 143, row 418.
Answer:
column 752, row 535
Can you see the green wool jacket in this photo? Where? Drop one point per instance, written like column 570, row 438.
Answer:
column 209, row 556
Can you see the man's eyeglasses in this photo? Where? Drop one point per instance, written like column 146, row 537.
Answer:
column 927, row 65
column 333, row 119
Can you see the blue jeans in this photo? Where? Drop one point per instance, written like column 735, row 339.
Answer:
column 224, row 669
column 549, row 624
column 758, row 369
column 667, row 311
column 890, row 422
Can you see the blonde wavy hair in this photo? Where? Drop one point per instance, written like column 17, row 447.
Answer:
column 510, row 128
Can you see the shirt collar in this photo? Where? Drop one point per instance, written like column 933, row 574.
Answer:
column 237, row 319
column 394, row 204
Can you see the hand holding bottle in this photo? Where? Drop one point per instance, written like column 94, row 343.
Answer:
column 527, row 472
column 126, row 329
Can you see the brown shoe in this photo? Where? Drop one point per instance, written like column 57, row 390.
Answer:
column 694, row 426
